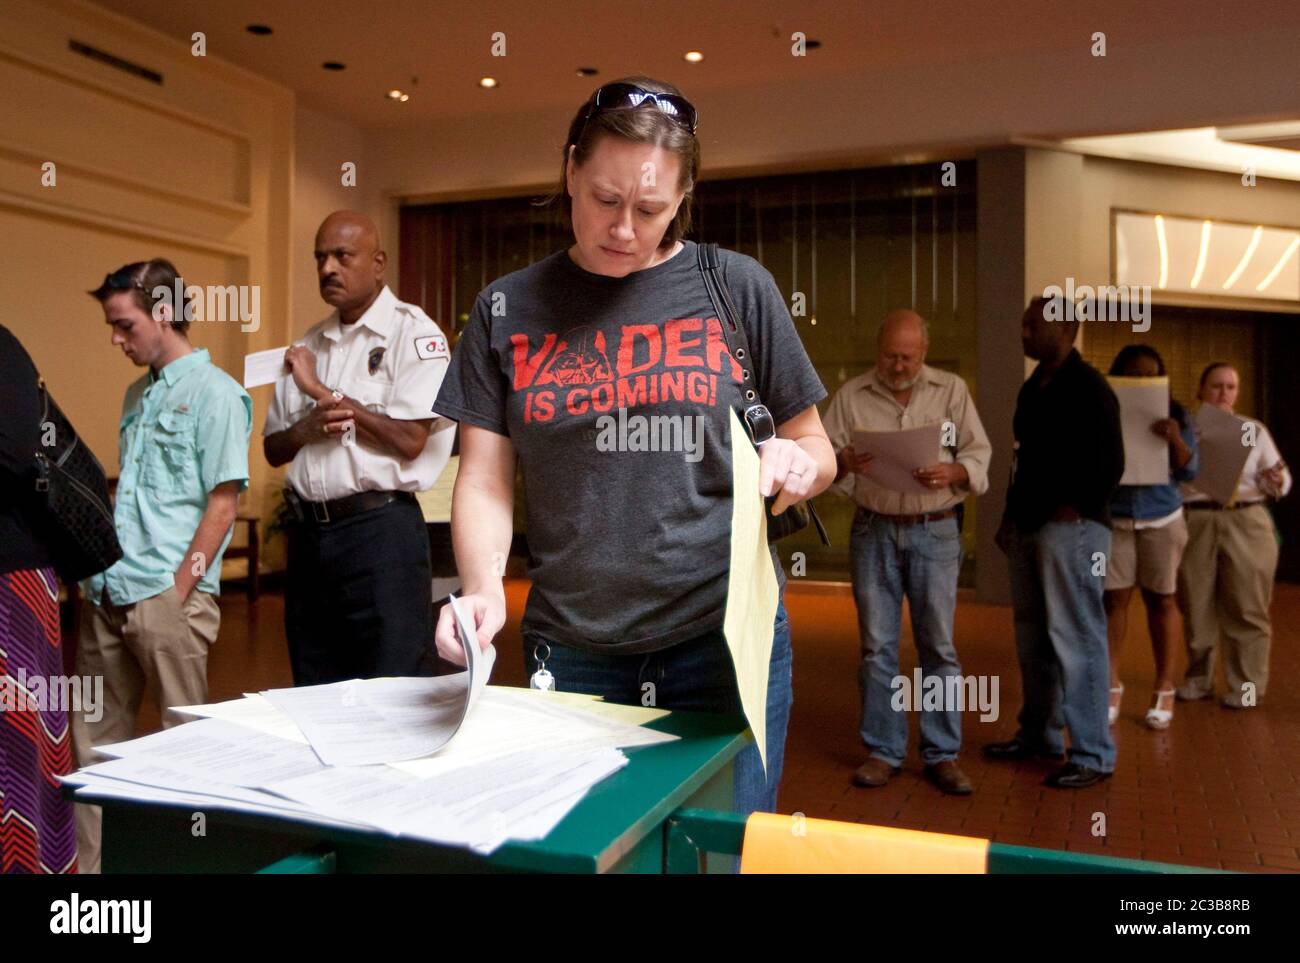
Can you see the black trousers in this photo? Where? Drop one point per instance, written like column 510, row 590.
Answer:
column 358, row 599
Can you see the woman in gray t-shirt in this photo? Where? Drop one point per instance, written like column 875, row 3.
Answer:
column 602, row 371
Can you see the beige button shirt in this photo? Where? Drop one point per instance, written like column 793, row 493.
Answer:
column 392, row 360
column 865, row 404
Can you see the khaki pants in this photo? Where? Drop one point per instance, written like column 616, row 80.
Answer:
column 1225, row 587
column 156, row 642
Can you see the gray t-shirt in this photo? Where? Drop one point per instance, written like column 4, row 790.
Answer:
column 591, row 378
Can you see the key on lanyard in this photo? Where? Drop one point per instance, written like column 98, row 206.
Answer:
column 541, row 679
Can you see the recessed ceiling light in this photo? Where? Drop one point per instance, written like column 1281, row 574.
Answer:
column 396, row 94
column 487, row 82
column 587, row 71
column 261, row 29
column 334, row 65
column 694, row 56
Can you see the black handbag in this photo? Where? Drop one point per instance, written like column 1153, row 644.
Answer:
column 755, row 416
column 81, row 536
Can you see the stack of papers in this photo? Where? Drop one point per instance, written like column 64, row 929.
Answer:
column 448, row 759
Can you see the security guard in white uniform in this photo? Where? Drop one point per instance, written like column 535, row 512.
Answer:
column 354, row 416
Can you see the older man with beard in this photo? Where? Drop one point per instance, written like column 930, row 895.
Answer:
column 907, row 544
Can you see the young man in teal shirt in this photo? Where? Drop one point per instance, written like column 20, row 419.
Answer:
column 183, row 451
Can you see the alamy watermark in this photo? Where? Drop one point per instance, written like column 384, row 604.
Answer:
column 678, row 433
column 213, row 302
column 1123, row 303
column 946, row 693
column 21, row 692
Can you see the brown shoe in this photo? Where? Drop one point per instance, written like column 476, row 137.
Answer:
column 949, row 778
column 873, row 773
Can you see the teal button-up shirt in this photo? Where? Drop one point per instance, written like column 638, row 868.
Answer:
column 184, row 431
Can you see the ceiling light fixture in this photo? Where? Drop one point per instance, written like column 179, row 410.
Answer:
column 487, row 82
column 1271, row 276
column 1200, row 258
column 1245, row 258
column 1164, row 252
column 693, row 56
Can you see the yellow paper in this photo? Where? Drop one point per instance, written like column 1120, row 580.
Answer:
column 752, row 592
column 794, row 844
column 596, row 705
column 435, row 504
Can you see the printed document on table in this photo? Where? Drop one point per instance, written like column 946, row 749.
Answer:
column 478, row 806
column 1143, row 402
column 752, row 590
column 359, row 723
column 264, row 367
column 896, row 454
column 509, row 721
column 253, row 711
column 222, row 752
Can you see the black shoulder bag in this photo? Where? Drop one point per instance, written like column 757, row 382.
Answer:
column 755, row 416
column 69, row 479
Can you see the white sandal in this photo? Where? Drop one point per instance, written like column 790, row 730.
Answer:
column 1158, row 718
column 1112, row 710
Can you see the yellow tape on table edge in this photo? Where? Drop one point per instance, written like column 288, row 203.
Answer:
column 791, row 844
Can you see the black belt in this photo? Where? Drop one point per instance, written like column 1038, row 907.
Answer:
column 914, row 519
column 337, row 509
column 1216, row 507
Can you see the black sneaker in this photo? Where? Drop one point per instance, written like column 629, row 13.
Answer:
column 1074, row 776
column 1013, row 750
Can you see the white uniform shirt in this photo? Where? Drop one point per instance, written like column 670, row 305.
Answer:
column 392, row 360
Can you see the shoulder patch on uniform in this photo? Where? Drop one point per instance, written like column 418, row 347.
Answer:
column 431, row 347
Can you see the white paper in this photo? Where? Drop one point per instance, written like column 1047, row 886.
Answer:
column 1143, row 402
column 264, row 367
column 253, row 711
column 476, row 806
column 896, row 454
column 508, row 722
column 221, row 751
column 1219, row 436
column 367, row 722
column 133, row 792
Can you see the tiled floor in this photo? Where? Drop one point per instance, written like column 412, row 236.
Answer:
column 1217, row 789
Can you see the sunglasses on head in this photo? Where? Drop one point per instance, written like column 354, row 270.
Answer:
column 629, row 97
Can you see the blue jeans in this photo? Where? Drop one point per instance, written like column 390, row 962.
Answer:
column 1061, row 639
column 919, row 562
column 695, row 675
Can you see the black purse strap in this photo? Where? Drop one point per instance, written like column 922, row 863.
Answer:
column 737, row 344
column 756, row 417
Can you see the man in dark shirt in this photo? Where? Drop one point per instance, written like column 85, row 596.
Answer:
column 1069, row 456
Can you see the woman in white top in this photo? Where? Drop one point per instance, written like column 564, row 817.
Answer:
column 1225, row 582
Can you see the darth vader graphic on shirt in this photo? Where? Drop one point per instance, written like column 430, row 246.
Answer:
column 584, row 370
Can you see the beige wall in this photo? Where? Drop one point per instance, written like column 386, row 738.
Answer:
column 322, row 146
column 198, row 170
column 1108, row 184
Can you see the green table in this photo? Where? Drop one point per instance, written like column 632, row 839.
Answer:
column 620, row 826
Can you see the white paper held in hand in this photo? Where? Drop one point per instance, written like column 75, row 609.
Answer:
column 264, row 367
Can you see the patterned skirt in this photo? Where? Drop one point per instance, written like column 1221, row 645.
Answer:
column 37, row 829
